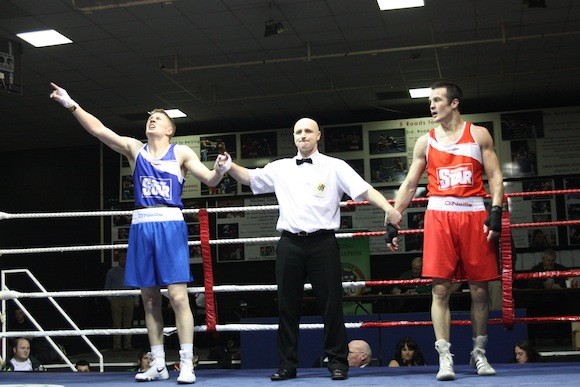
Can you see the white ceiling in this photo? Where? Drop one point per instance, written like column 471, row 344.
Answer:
column 339, row 61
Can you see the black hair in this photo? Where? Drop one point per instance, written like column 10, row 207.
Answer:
column 528, row 348
column 411, row 344
column 453, row 91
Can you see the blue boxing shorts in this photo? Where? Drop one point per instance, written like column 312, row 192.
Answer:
column 158, row 254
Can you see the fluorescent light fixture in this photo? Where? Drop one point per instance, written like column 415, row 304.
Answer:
column 175, row 113
column 422, row 92
column 387, row 5
column 44, row 38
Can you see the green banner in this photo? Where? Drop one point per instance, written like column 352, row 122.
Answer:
column 356, row 266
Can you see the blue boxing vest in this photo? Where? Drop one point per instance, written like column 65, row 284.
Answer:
column 158, row 182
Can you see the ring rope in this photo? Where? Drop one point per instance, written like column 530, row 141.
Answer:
column 77, row 214
column 61, row 249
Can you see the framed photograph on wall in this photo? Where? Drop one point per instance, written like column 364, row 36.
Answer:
column 522, row 126
column 260, row 144
column 211, row 146
column 343, row 138
column 387, row 141
column 388, row 169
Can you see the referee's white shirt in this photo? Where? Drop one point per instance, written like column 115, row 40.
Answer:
column 309, row 194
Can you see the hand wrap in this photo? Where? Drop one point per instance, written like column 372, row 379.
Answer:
column 493, row 221
column 222, row 169
column 65, row 99
column 391, row 232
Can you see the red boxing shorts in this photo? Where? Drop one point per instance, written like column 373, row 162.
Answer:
column 455, row 245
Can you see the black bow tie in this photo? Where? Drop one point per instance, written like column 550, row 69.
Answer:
column 300, row 161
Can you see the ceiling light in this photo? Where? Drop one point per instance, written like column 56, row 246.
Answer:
column 387, row 5
column 175, row 113
column 44, row 38
column 273, row 28
column 422, row 92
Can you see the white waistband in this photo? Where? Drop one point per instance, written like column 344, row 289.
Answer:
column 156, row 214
column 450, row 203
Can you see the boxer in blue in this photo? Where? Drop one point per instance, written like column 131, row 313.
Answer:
column 158, row 254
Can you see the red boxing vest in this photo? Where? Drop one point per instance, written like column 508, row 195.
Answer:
column 455, row 169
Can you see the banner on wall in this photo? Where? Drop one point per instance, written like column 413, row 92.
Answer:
column 356, row 266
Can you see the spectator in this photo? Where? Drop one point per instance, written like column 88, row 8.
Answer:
column 407, row 353
column 414, row 273
column 21, row 359
column 359, row 353
column 40, row 348
column 548, row 303
column 143, row 362
column 122, row 308
column 83, row 366
column 548, row 264
column 20, row 322
column 539, row 239
column 524, row 352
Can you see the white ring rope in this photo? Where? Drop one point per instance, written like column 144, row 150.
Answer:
column 62, row 249
column 12, row 294
column 7, row 215
column 166, row 331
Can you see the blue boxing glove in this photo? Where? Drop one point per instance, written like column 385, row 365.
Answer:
column 391, row 232
column 493, row 221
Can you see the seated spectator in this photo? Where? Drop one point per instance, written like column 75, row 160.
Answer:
column 524, row 352
column 548, row 264
column 143, row 362
column 21, row 359
column 83, row 366
column 407, row 353
column 40, row 348
column 414, row 273
column 359, row 354
column 538, row 240
column 547, row 303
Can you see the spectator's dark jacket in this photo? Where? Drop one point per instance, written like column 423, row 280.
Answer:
column 36, row 365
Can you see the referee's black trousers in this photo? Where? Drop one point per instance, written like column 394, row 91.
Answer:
column 316, row 258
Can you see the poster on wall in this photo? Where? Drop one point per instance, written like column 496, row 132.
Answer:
column 533, row 209
column 541, row 142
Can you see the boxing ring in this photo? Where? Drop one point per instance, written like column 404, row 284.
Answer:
column 510, row 374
